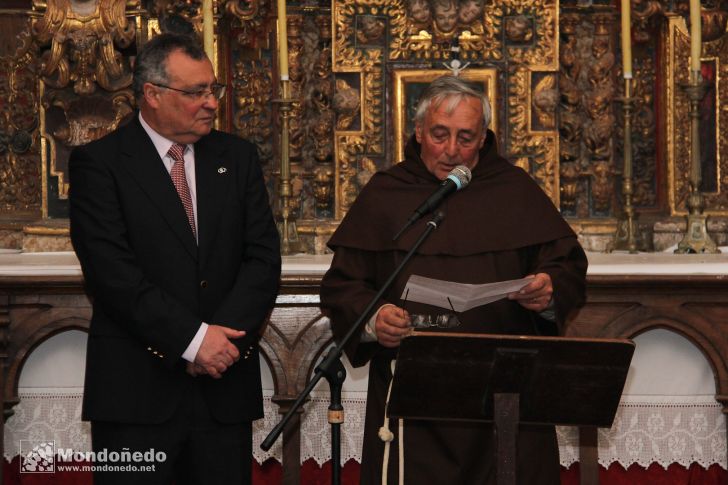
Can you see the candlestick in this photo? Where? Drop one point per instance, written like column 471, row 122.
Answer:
column 282, row 40
column 290, row 244
column 627, row 235
column 626, row 40
column 208, row 28
column 695, row 35
column 696, row 238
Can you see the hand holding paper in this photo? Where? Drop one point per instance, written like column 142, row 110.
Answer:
column 462, row 296
column 532, row 292
column 536, row 295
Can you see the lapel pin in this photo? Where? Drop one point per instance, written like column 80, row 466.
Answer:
column 221, row 170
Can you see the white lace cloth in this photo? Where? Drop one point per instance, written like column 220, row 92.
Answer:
column 657, row 429
column 647, row 429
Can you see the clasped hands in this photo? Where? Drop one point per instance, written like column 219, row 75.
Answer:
column 392, row 323
column 216, row 353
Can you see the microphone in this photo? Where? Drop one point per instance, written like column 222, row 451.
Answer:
column 458, row 178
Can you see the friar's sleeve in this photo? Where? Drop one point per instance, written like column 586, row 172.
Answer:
column 565, row 262
column 346, row 289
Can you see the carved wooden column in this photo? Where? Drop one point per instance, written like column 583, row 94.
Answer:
column 295, row 338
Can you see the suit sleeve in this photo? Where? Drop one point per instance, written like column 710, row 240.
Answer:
column 249, row 301
column 111, row 271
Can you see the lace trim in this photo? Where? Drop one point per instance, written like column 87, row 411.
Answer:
column 647, row 429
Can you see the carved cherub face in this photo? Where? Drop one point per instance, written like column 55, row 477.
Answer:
column 446, row 15
column 518, row 29
column 419, row 11
column 372, row 28
column 470, row 11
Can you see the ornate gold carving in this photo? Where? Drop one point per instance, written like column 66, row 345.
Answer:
column 371, row 30
column 676, row 71
column 373, row 121
column 250, row 19
column 79, row 41
column 322, row 187
column 519, row 29
column 570, row 124
column 643, row 139
column 347, row 101
column 358, row 146
column 82, row 43
column 347, row 56
column 252, row 120
column 20, row 192
column 426, row 30
column 531, row 28
column 643, row 11
column 587, row 119
column 298, row 74
column 714, row 22
column 88, row 118
column 545, row 101
column 348, row 149
column 535, row 151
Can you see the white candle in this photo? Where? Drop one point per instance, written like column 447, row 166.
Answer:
column 208, row 29
column 282, row 40
column 695, row 35
column 626, row 40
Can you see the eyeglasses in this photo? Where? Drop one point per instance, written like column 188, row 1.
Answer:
column 446, row 320
column 216, row 90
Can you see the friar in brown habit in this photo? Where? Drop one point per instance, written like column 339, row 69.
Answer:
column 500, row 227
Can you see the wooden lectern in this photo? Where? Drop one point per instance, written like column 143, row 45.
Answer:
column 509, row 380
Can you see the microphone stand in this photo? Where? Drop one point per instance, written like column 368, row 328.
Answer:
column 333, row 370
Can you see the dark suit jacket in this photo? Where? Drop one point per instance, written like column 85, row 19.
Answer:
column 150, row 283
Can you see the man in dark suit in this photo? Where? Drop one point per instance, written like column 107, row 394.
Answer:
column 171, row 222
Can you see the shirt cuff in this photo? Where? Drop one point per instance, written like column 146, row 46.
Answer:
column 369, row 334
column 549, row 313
column 191, row 352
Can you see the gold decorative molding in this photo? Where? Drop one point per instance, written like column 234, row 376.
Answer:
column 355, row 150
column 79, row 42
column 587, row 121
column 525, row 31
column 535, row 151
column 349, row 150
column 676, row 71
column 251, row 19
column 82, row 39
column 20, row 191
column 531, row 28
column 404, row 100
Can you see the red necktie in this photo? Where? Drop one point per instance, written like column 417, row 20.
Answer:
column 179, row 179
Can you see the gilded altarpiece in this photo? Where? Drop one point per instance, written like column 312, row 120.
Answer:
column 377, row 42
column 84, row 83
column 713, row 118
column 554, row 69
column 20, row 188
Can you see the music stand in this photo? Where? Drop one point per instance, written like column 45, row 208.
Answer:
column 509, row 380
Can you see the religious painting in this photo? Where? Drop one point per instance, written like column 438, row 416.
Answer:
column 409, row 86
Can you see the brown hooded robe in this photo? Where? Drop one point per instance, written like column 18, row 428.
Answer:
column 501, row 227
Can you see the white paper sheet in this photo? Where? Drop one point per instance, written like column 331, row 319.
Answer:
column 462, row 296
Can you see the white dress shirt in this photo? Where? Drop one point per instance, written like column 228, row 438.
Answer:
column 163, row 145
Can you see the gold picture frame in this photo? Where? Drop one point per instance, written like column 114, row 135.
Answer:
column 714, row 142
column 408, row 86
